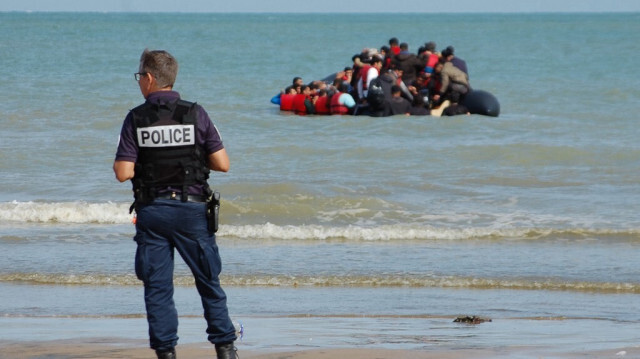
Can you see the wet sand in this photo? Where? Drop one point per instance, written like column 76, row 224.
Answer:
column 117, row 348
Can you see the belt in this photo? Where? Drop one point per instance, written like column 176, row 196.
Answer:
column 178, row 197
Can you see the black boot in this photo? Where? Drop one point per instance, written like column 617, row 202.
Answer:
column 166, row 354
column 226, row 351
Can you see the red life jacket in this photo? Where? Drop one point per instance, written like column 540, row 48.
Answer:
column 286, row 102
column 336, row 107
column 322, row 107
column 298, row 104
column 433, row 60
column 387, row 63
column 364, row 71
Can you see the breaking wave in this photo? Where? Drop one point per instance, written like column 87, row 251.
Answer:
column 110, row 213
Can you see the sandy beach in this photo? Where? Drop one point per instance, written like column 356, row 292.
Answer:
column 117, row 348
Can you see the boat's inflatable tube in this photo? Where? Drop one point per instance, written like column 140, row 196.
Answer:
column 482, row 103
column 329, row 79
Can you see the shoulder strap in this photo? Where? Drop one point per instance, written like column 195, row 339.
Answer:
column 143, row 115
column 182, row 110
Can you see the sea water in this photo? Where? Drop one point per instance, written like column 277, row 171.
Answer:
column 353, row 231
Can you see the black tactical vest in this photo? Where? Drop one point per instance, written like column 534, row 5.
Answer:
column 168, row 153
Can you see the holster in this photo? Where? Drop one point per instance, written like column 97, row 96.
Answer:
column 213, row 210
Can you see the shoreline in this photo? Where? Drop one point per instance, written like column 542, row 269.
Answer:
column 95, row 348
column 301, row 337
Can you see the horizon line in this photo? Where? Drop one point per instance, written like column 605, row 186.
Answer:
column 325, row 12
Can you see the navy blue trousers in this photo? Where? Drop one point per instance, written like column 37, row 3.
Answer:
column 161, row 227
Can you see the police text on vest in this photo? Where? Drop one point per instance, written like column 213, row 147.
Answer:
column 166, row 136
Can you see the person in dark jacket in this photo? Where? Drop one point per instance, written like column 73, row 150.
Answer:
column 391, row 78
column 418, row 107
column 449, row 55
column 398, row 105
column 409, row 63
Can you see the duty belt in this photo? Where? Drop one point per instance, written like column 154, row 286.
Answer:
column 178, row 197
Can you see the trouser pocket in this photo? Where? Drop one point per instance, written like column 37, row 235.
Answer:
column 141, row 261
column 209, row 260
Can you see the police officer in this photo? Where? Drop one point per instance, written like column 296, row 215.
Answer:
column 167, row 147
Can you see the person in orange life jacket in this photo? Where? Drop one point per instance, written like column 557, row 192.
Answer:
column 303, row 103
column 170, row 202
column 286, row 99
column 322, row 103
column 367, row 74
column 341, row 101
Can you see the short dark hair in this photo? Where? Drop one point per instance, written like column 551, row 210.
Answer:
column 161, row 64
column 295, row 79
column 448, row 51
column 404, row 46
column 393, row 41
column 430, row 46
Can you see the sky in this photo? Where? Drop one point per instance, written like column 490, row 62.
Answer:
column 322, row 6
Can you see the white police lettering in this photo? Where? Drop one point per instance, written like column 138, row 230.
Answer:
column 166, row 136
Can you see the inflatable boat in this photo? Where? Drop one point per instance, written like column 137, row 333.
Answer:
column 478, row 102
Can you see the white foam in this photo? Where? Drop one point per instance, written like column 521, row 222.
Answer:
column 371, row 233
column 360, row 230
column 65, row 212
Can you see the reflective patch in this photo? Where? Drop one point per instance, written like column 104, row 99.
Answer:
column 166, row 136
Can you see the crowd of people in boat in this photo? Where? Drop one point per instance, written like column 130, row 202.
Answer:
column 386, row 82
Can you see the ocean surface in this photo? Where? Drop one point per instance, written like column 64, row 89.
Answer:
column 336, row 231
